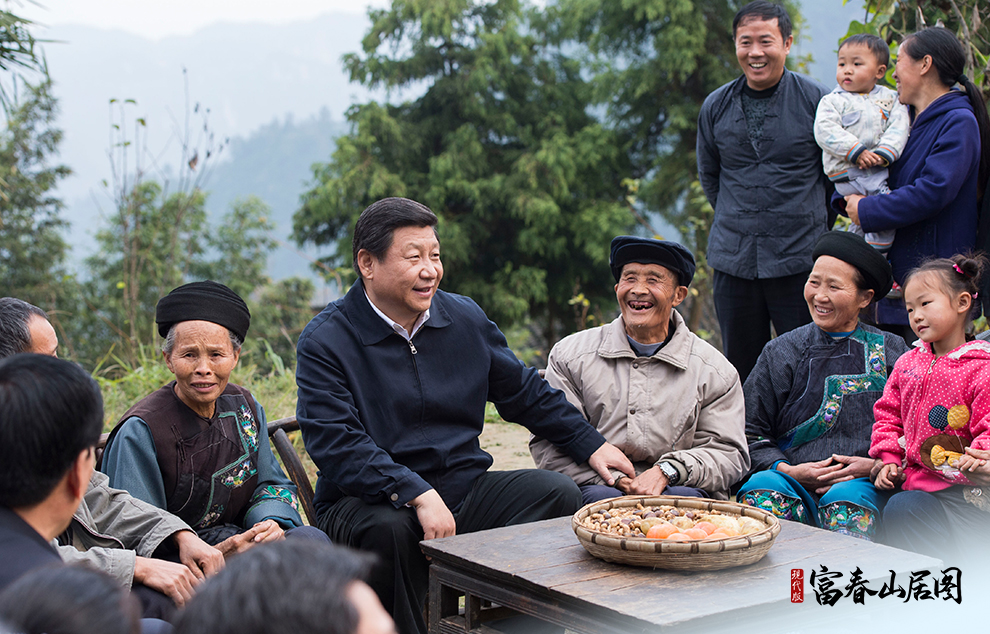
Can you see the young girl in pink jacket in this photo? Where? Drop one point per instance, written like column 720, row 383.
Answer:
column 934, row 417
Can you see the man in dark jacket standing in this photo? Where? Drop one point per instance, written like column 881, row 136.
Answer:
column 393, row 379
column 762, row 173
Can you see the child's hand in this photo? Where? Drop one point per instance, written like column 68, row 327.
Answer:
column 968, row 463
column 975, row 464
column 890, row 476
column 875, row 469
column 868, row 159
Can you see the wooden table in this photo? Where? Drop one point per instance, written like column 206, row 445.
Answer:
column 541, row 570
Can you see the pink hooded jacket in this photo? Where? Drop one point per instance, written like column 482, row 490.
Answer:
column 932, row 408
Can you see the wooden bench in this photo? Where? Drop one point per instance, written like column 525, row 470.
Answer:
column 278, row 431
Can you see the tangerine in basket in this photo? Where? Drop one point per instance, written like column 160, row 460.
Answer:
column 661, row 531
column 708, row 527
column 719, row 534
column 678, row 537
column 696, row 533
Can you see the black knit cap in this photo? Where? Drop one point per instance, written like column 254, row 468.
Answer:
column 670, row 255
column 853, row 249
column 206, row 301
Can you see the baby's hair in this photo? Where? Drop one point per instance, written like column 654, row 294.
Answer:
column 958, row 274
column 876, row 45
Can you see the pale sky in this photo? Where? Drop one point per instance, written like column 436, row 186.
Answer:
column 157, row 19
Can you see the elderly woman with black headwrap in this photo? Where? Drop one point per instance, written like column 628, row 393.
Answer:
column 198, row 447
column 809, row 400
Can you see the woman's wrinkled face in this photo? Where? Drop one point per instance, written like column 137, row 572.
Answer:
column 833, row 297
column 201, row 360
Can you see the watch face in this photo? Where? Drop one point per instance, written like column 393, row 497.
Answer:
column 670, row 472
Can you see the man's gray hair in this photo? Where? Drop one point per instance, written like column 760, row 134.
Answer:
column 15, row 335
column 169, row 342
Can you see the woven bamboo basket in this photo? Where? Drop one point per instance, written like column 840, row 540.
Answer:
column 695, row 555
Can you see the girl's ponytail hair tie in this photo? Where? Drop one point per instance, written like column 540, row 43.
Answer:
column 960, row 271
column 962, row 79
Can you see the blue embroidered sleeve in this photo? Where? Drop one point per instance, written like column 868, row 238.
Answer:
column 275, row 496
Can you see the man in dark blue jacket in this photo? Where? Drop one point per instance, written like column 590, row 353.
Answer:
column 393, row 380
column 51, row 415
column 761, row 170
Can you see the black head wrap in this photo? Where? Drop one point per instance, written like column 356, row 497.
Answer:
column 670, row 255
column 206, row 301
column 854, row 250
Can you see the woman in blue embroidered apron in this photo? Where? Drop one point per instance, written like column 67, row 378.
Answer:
column 809, row 401
column 198, row 447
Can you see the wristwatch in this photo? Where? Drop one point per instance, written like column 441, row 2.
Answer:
column 670, row 471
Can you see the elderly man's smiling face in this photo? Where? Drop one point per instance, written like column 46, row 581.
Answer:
column 646, row 294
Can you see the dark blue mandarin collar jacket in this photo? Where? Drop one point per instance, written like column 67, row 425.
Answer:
column 770, row 199
column 386, row 421
column 22, row 549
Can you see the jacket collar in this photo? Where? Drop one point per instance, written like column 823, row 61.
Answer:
column 11, row 521
column 372, row 328
column 975, row 349
column 952, row 100
column 737, row 89
column 677, row 352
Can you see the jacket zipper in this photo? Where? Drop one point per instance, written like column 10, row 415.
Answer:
column 78, row 520
column 924, row 384
column 412, row 348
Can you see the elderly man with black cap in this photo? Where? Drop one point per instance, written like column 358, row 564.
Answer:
column 809, row 400
column 654, row 389
column 198, row 447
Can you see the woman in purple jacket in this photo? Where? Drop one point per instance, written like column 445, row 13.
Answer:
column 939, row 179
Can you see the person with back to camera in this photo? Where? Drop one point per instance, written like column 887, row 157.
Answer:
column 71, row 600
column 762, row 173
column 933, row 422
column 809, row 401
column 861, row 126
column 936, row 184
column 51, row 415
column 289, row 587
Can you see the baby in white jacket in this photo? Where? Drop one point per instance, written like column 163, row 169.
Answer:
column 862, row 127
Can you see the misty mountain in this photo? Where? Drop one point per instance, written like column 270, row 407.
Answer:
column 274, row 164
column 249, row 76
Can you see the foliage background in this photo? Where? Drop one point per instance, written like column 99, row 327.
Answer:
column 536, row 132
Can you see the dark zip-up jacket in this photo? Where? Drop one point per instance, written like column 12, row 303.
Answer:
column 22, row 549
column 387, row 419
column 770, row 198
